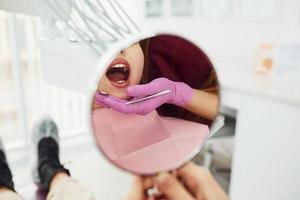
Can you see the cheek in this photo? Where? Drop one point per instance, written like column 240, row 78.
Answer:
column 138, row 75
column 138, row 69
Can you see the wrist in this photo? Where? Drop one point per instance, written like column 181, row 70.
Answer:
column 183, row 94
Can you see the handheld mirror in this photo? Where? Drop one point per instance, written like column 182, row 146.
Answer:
column 154, row 104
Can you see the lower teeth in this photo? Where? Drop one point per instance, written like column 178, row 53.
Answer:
column 122, row 81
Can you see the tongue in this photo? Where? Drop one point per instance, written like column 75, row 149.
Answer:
column 116, row 76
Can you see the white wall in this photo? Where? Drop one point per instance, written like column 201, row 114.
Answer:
column 230, row 40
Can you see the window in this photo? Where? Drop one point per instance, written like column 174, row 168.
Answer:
column 24, row 95
column 182, row 7
column 154, row 8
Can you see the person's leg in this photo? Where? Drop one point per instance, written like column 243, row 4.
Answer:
column 7, row 190
column 52, row 176
column 46, row 141
column 65, row 188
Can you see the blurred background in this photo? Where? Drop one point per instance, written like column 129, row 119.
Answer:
column 25, row 96
column 238, row 34
column 255, row 46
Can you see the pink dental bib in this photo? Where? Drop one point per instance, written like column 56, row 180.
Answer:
column 146, row 144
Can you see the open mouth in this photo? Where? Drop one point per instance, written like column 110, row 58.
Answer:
column 118, row 73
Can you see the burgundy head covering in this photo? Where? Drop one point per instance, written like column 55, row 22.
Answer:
column 178, row 60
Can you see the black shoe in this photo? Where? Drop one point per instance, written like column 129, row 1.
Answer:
column 45, row 138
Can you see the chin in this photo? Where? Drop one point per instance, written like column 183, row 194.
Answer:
column 121, row 94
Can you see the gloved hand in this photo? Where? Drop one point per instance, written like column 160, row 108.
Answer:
column 180, row 94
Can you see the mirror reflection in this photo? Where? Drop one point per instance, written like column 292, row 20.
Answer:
column 154, row 105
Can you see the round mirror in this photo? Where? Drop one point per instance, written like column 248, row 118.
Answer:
column 154, row 105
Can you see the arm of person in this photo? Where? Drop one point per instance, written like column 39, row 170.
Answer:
column 204, row 104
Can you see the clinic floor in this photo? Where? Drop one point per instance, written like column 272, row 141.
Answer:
column 86, row 165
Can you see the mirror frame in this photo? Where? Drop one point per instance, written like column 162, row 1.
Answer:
column 108, row 57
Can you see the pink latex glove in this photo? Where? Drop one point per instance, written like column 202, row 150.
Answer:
column 180, row 94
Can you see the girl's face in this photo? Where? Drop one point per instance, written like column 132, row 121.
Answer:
column 125, row 70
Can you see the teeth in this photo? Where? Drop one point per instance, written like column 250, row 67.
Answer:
column 121, row 81
column 118, row 66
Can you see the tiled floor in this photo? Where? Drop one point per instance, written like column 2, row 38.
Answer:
column 86, row 165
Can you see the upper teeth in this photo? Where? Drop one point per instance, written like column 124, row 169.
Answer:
column 118, row 65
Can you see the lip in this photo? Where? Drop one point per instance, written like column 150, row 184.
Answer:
column 115, row 62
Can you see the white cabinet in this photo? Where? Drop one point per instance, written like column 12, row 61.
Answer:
column 266, row 160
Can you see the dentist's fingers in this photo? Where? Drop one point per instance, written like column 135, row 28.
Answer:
column 99, row 99
column 155, row 86
column 142, row 108
column 121, row 106
column 146, row 89
column 100, row 96
column 147, row 106
column 170, row 186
